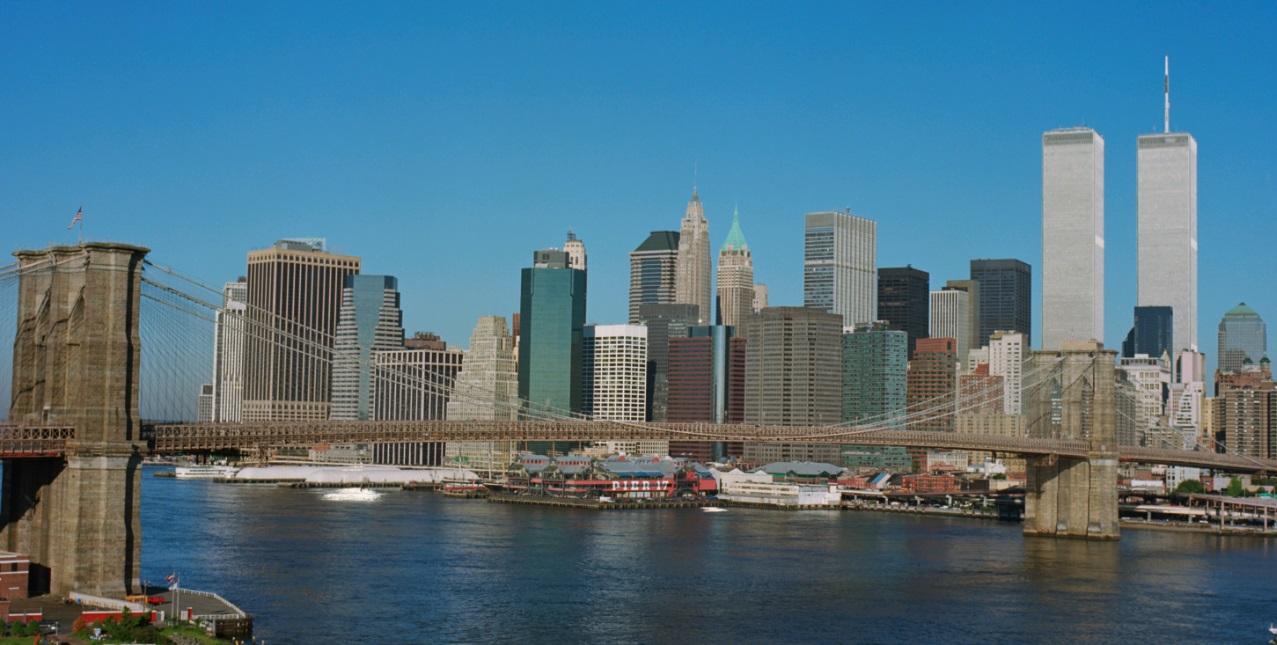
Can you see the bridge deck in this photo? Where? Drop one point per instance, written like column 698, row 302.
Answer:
column 27, row 442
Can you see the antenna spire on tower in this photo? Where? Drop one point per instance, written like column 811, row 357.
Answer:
column 1166, row 95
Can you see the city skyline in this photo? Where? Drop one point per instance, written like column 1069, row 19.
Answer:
column 916, row 227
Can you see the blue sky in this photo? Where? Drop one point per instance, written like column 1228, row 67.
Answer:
column 444, row 142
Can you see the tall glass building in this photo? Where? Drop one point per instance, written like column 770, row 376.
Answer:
column 1242, row 336
column 551, row 324
column 1153, row 333
column 875, row 363
column 1006, row 297
column 652, row 271
column 1072, row 236
column 904, row 301
column 369, row 320
column 1167, row 231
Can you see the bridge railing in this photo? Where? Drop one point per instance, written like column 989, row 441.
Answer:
column 18, row 441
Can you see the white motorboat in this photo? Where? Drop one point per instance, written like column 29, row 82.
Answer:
column 353, row 495
column 713, row 509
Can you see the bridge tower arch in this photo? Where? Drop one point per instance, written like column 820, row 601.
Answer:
column 1069, row 496
column 76, row 357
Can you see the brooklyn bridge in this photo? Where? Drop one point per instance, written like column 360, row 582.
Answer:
column 85, row 367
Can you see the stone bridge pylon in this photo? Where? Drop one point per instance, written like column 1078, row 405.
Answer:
column 1070, row 496
column 75, row 363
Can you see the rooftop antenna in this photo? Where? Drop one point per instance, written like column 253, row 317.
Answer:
column 1166, row 95
column 695, row 175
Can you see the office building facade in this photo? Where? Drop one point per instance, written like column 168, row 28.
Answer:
column 693, row 272
column 1006, row 297
column 707, row 385
column 875, row 361
column 652, row 269
column 932, row 384
column 840, row 266
column 1072, row 236
column 1243, row 338
column 370, row 321
column 1152, row 334
column 552, row 323
column 664, row 323
column 951, row 318
column 294, row 299
column 735, row 277
column 229, row 335
column 904, row 301
column 486, row 389
column 1006, row 359
column 1167, row 230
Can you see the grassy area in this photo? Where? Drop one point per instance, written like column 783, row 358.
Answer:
column 137, row 631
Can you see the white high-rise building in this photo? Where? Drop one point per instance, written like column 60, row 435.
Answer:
column 951, row 318
column 1072, row 236
column 1167, row 206
column 760, row 297
column 486, row 389
column 840, row 266
column 575, row 249
column 614, row 372
column 692, row 272
column 1006, row 359
column 1140, row 397
column 1184, row 407
column 228, row 353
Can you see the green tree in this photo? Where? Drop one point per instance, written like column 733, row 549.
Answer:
column 1235, row 488
column 1190, row 486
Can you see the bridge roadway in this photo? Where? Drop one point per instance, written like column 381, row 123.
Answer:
column 199, row 437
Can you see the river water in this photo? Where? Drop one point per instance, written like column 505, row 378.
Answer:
column 416, row 567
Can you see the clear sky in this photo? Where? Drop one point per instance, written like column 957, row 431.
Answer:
column 444, row 142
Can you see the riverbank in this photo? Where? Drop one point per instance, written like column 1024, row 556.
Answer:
column 595, row 504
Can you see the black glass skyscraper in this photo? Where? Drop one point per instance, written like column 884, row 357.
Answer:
column 1006, row 294
column 904, row 301
column 1152, row 334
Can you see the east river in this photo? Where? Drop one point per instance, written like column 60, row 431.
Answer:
column 416, row 567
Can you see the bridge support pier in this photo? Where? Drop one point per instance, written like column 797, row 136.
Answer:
column 75, row 363
column 1069, row 496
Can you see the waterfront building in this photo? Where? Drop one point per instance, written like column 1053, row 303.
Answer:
column 664, row 323
column 933, row 383
column 707, row 385
column 1006, row 297
column 551, row 321
column 793, row 376
column 875, row 363
column 1006, row 359
column 652, row 270
column 204, row 405
column 840, row 266
column 614, row 381
column 904, row 301
column 1243, row 337
column 370, row 321
column 951, row 318
column 575, row 248
column 735, row 277
column 1167, row 230
column 1143, row 385
column 1152, row 334
column 294, row 298
column 1072, row 236
column 486, row 389
column 760, row 297
column 692, row 273
column 229, row 336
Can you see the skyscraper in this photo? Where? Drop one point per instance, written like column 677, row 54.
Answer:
column 1072, row 236
column 486, row 388
column 664, row 323
column 706, row 384
column 1152, row 334
column 933, row 384
column 1167, row 206
column 294, row 296
column 1243, row 336
column 551, row 320
column 692, row 275
column 951, row 317
column 369, row 321
column 735, row 277
column 1006, row 359
column 904, row 301
column 760, row 297
column 972, row 288
column 614, row 380
column 652, row 270
column 793, row 376
column 575, row 248
column 1006, row 297
column 228, row 352
column 840, row 266
column 412, row 385
column 875, row 362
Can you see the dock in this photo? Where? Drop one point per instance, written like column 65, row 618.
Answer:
column 594, row 504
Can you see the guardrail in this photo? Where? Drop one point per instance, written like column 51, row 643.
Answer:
column 18, row 441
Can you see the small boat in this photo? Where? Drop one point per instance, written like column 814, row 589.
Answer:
column 714, row 509
column 1273, row 631
column 204, row 472
column 467, row 490
column 353, row 495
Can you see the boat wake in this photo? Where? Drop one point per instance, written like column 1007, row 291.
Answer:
column 353, row 495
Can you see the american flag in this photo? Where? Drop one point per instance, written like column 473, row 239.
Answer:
column 79, row 217
column 171, row 579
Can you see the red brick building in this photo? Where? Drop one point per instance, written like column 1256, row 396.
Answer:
column 933, row 384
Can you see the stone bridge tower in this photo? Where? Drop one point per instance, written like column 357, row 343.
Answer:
column 75, row 363
column 1065, row 496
